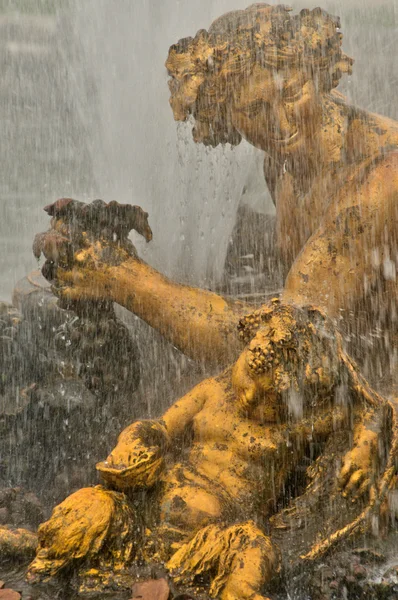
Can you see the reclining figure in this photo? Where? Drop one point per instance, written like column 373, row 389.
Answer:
column 214, row 467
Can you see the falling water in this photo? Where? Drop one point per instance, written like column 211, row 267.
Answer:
column 84, row 112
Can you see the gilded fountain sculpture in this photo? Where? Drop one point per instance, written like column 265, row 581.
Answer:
column 201, row 489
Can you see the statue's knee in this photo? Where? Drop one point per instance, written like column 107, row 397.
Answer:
column 260, row 556
column 94, row 503
column 254, row 561
column 190, row 507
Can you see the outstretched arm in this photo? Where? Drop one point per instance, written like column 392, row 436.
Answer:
column 202, row 324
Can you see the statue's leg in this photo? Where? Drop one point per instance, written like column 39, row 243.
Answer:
column 92, row 525
column 190, row 507
column 243, row 558
column 254, row 563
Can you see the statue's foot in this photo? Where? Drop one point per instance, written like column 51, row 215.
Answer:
column 243, row 558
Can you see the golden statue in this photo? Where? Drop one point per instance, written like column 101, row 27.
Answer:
column 330, row 167
column 217, row 463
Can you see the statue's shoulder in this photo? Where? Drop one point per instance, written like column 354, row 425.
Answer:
column 374, row 183
column 385, row 173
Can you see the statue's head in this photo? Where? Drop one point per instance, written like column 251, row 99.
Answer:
column 256, row 73
column 293, row 353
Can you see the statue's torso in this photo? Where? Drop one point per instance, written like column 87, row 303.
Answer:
column 303, row 201
column 246, row 456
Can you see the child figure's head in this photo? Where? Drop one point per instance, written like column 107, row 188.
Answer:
column 291, row 352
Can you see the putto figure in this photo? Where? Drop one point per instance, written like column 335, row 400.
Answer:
column 292, row 396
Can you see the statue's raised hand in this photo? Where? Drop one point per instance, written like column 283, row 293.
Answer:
column 138, row 458
column 84, row 244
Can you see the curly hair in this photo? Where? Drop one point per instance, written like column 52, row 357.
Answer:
column 303, row 347
column 268, row 36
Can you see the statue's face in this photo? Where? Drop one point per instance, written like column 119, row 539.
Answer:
column 270, row 109
column 273, row 341
column 275, row 108
column 291, row 351
column 183, row 89
column 266, row 357
column 259, row 374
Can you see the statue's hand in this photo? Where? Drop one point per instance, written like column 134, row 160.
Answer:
column 138, row 458
column 82, row 278
column 85, row 244
column 358, row 470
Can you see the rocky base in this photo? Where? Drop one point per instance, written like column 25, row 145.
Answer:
column 361, row 573
column 19, row 508
column 63, row 373
column 8, row 594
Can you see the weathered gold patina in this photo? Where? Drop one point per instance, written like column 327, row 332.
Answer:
column 216, row 509
column 330, row 168
column 244, row 433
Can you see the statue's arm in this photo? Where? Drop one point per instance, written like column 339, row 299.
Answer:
column 360, row 464
column 181, row 414
column 341, row 261
column 202, row 324
column 138, row 457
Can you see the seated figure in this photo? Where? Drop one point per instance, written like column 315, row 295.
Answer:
column 217, row 462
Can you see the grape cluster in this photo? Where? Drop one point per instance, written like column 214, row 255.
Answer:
column 250, row 324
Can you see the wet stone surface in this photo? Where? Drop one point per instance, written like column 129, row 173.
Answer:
column 70, row 372
column 19, row 508
column 360, row 574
